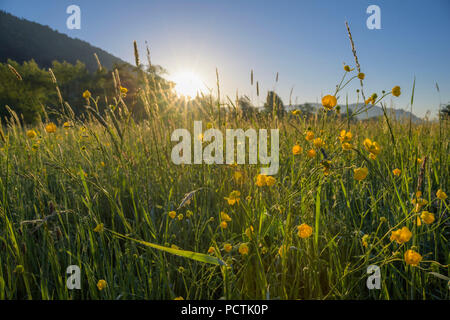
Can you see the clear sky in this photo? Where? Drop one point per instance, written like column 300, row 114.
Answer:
column 305, row 41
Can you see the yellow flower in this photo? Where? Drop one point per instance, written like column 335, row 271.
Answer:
column 396, row 172
column 249, row 232
column 282, row 250
column 50, row 128
column 347, row 68
column 270, row 181
column 396, row 91
column 309, row 135
column 441, row 194
column 326, row 166
column 224, row 217
column 237, row 176
column 372, row 146
column 372, row 156
column 361, row 76
column 318, row 143
column 31, row 134
column 420, row 202
column 101, row 284
column 233, row 198
column 297, row 149
column 99, row 228
column 296, row 112
column 172, row 214
column 243, row 249
column 419, row 161
column 227, row 247
column 360, row 173
column 223, row 225
column 401, row 235
column 211, row 250
column 123, row 91
column 86, row 94
column 102, row 163
column 179, row 298
column 67, row 125
column 372, row 99
column 345, row 136
column 347, row 146
column 329, row 102
column 304, row 231
column 412, row 257
column 427, row 217
column 261, row 180
column 418, row 222
column 364, row 240
column 19, row 269
column 311, row 153
column 180, row 216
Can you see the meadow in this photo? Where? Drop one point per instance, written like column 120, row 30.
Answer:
column 102, row 192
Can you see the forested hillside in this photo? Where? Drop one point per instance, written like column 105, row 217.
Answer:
column 22, row 40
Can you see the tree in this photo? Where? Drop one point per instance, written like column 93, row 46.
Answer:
column 274, row 105
column 444, row 113
column 246, row 107
column 27, row 95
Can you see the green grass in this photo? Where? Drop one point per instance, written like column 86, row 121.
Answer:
column 111, row 170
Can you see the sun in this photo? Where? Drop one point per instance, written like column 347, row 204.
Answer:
column 188, row 84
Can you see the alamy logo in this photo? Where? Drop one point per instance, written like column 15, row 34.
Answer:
column 235, row 147
column 74, row 20
column 74, row 279
column 374, row 280
column 374, row 20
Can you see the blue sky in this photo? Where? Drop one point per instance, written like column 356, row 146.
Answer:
column 305, row 41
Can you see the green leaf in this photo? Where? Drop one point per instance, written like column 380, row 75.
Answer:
column 182, row 253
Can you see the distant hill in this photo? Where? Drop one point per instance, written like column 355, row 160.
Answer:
column 374, row 111
column 23, row 40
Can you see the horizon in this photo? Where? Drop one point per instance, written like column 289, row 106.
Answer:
column 252, row 41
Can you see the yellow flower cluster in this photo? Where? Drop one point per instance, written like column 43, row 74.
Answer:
column 225, row 218
column 372, row 99
column 345, row 137
column 372, row 147
column 233, row 198
column 263, row 180
column 318, row 143
column 309, row 135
